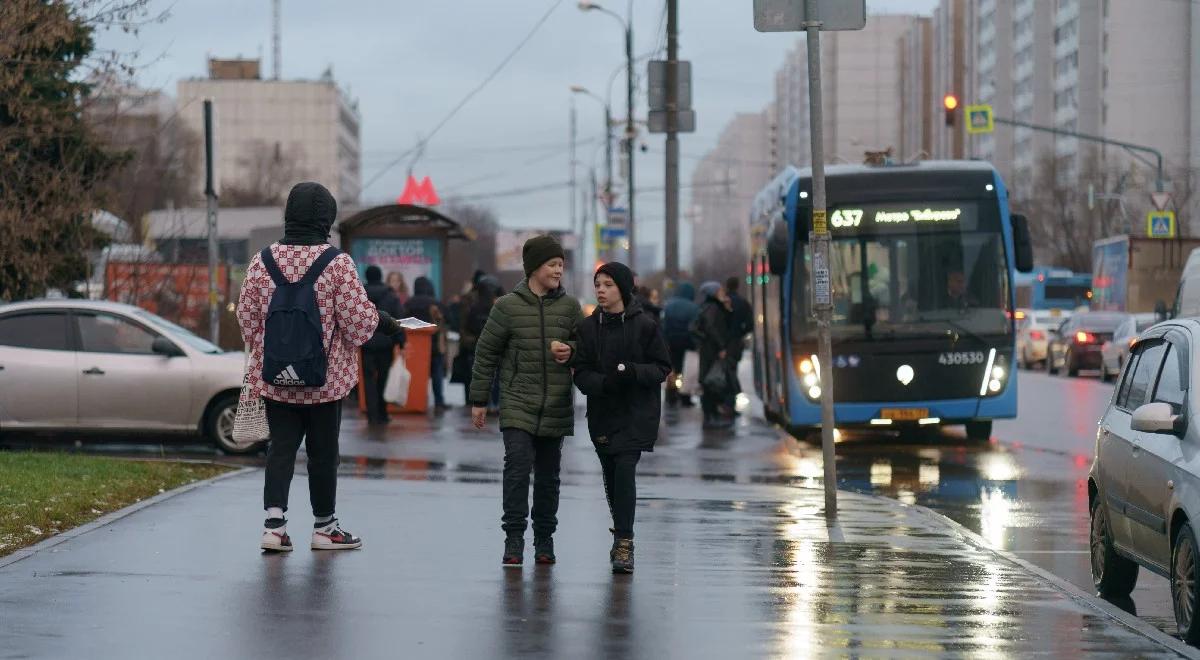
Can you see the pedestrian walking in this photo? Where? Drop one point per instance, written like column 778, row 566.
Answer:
column 478, row 307
column 620, row 365
column 424, row 305
column 303, row 370
column 380, row 350
column 526, row 339
column 741, row 324
column 715, row 343
column 679, row 314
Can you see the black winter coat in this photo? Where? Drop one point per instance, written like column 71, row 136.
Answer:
column 385, row 300
column 623, row 410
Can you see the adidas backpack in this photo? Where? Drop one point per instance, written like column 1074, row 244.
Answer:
column 293, row 348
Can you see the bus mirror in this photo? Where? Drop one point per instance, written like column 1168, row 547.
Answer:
column 1022, row 243
column 777, row 247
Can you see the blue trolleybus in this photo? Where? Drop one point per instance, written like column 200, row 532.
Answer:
column 1053, row 288
column 922, row 262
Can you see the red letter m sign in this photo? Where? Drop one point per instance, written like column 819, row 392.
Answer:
column 421, row 194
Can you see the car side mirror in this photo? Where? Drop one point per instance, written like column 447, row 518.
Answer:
column 1158, row 418
column 778, row 242
column 163, row 346
column 1022, row 243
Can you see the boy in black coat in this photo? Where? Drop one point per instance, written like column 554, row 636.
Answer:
column 620, row 364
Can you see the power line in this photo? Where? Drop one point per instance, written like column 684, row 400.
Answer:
column 514, row 192
column 470, row 95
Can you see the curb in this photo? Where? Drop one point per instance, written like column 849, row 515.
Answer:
column 1133, row 623
column 110, row 518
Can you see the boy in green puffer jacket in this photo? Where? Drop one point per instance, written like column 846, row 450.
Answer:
column 528, row 338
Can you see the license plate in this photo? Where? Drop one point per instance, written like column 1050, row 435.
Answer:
column 904, row 414
column 1056, row 313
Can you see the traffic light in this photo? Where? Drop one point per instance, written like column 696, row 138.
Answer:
column 950, row 103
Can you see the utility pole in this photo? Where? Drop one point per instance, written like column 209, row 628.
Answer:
column 210, row 192
column 819, row 240
column 276, row 28
column 630, row 137
column 572, row 185
column 671, row 240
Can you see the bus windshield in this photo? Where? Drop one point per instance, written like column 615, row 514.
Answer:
column 927, row 281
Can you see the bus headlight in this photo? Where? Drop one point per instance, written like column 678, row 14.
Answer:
column 808, row 370
column 994, row 374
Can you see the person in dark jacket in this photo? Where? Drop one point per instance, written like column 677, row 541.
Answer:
column 741, row 324
column 379, row 351
column 477, row 306
column 424, row 305
column 620, row 364
column 715, row 344
column 678, row 315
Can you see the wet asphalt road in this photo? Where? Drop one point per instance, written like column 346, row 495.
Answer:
column 1025, row 492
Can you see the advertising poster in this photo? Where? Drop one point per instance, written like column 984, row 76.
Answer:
column 411, row 257
column 176, row 292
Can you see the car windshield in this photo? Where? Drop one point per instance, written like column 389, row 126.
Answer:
column 1144, row 323
column 181, row 333
column 910, row 284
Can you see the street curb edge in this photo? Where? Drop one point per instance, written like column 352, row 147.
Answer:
column 110, row 518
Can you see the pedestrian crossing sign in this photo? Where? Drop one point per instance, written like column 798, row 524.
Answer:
column 980, row 119
column 1160, row 224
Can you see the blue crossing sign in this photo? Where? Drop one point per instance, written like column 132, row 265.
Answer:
column 1160, row 224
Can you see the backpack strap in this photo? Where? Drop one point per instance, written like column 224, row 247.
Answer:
column 318, row 266
column 268, row 261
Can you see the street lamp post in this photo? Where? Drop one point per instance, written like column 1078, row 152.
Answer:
column 608, row 172
column 630, row 130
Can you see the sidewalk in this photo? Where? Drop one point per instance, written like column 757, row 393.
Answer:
column 724, row 570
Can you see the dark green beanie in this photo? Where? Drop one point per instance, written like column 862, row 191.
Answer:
column 538, row 250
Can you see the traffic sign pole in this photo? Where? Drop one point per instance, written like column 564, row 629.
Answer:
column 819, row 240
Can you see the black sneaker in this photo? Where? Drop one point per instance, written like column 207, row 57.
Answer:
column 622, row 556
column 514, row 551
column 543, row 550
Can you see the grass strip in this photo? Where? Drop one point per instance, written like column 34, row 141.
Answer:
column 46, row 493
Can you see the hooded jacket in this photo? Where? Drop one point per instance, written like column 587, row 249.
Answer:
column 535, row 391
column 423, row 305
column 624, row 406
column 678, row 315
column 385, row 300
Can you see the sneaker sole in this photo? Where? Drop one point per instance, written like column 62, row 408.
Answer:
column 276, row 548
column 622, row 571
column 508, row 565
column 545, row 561
column 347, row 546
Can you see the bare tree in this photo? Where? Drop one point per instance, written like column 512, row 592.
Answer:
column 480, row 254
column 267, row 172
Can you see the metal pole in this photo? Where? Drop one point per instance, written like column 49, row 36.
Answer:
column 671, row 238
column 608, row 162
column 819, row 240
column 1129, row 146
column 572, row 186
column 630, row 133
column 214, row 318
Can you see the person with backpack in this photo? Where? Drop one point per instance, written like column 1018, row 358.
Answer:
column 621, row 363
column 380, row 350
column 679, row 314
column 303, row 314
column 424, row 305
column 715, row 344
column 526, row 338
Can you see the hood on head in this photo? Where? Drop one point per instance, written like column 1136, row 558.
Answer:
column 709, row 290
column 622, row 275
column 374, row 275
column 685, row 290
column 423, row 287
column 309, row 214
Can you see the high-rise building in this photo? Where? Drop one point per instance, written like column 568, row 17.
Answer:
column 953, row 61
column 915, row 63
column 994, row 79
column 791, row 109
column 1032, row 89
column 270, row 134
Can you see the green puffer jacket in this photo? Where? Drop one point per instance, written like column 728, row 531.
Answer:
column 535, row 391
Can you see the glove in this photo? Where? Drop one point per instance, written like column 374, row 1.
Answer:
column 388, row 325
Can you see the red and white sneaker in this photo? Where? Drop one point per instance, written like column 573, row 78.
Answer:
column 333, row 537
column 276, row 540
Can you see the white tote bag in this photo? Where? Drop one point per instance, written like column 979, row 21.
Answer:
column 250, row 421
column 395, row 390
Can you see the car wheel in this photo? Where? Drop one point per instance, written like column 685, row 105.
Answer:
column 1106, row 375
column 1069, row 363
column 979, row 430
column 1184, row 564
column 219, row 426
column 1050, row 362
column 1114, row 575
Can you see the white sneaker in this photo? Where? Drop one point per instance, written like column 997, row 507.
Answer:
column 276, row 540
column 333, row 537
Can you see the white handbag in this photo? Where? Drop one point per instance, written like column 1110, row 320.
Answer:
column 395, row 390
column 250, row 422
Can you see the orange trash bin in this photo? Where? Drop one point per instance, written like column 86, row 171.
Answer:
column 418, row 348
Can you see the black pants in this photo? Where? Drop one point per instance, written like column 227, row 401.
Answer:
column 525, row 453
column 620, row 486
column 318, row 426
column 376, row 366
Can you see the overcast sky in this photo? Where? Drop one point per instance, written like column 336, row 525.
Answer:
column 410, row 62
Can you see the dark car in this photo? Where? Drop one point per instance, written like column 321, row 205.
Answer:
column 1078, row 342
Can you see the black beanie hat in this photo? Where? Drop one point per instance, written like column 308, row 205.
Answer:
column 538, row 250
column 622, row 276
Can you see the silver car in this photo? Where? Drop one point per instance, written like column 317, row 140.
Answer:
column 1115, row 351
column 1144, row 486
column 74, row 365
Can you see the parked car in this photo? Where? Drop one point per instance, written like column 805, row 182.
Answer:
column 1033, row 334
column 1076, row 343
column 1115, row 352
column 75, row 365
column 1144, row 485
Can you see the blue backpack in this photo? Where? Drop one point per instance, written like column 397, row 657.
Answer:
column 293, row 349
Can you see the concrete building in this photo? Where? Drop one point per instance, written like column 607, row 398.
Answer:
column 953, row 61
column 1032, row 89
column 915, row 63
column 994, row 80
column 271, row 134
column 724, row 184
column 790, row 109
